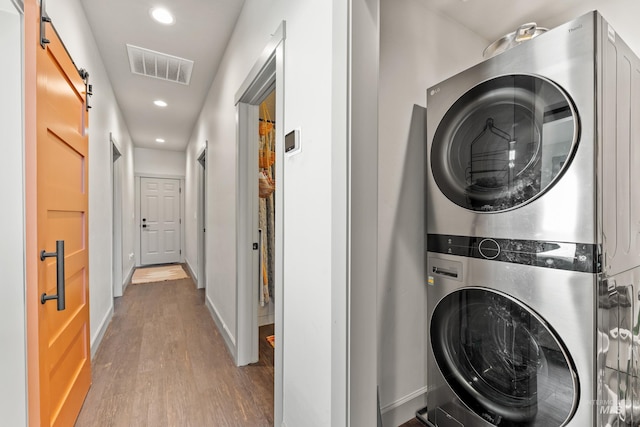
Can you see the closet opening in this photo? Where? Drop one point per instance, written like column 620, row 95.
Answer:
column 267, row 194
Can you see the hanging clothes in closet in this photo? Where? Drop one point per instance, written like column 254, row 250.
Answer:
column 267, row 206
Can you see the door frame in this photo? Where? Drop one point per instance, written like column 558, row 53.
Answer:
column 137, row 207
column 116, row 191
column 266, row 75
column 247, row 294
column 202, row 217
column 31, row 218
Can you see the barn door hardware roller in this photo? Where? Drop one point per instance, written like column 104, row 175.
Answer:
column 44, row 18
column 84, row 74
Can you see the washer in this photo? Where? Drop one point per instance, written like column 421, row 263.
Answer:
column 531, row 219
column 506, row 348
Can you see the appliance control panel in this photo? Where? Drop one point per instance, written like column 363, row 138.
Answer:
column 581, row 257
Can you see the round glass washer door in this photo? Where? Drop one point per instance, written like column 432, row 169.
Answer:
column 504, row 142
column 502, row 359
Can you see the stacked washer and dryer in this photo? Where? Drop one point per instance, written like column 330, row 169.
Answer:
column 533, row 246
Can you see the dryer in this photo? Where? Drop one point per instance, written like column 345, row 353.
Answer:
column 530, row 219
column 511, row 143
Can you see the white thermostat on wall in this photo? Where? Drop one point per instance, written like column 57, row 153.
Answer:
column 292, row 142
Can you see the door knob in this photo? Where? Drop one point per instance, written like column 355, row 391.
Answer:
column 59, row 255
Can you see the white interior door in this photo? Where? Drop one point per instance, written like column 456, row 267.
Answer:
column 160, row 221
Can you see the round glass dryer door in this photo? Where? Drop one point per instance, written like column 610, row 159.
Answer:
column 504, row 142
column 502, row 360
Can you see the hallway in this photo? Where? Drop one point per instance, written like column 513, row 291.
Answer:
column 163, row 362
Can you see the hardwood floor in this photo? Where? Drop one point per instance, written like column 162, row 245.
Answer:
column 162, row 362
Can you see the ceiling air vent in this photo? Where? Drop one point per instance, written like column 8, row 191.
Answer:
column 159, row 65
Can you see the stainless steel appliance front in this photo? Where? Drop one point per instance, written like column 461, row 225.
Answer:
column 534, row 235
column 510, row 345
column 510, row 142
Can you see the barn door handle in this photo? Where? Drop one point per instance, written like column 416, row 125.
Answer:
column 59, row 255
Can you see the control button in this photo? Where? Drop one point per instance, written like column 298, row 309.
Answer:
column 489, row 248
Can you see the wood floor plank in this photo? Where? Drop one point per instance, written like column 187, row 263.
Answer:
column 162, row 362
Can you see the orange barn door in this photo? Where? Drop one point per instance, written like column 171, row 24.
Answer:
column 58, row 312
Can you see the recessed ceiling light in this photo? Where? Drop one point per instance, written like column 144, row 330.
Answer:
column 159, row 140
column 162, row 15
column 160, row 103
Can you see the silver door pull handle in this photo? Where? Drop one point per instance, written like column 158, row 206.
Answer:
column 59, row 255
column 450, row 273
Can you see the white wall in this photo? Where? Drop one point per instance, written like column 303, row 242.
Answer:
column 123, row 176
column 104, row 117
column 418, row 48
column 129, row 228
column 159, row 162
column 362, row 197
column 13, row 399
column 192, row 177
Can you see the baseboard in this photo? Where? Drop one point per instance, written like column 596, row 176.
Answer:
column 192, row 273
column 97, row 340
column 266, row 314
column 267, row 319
column 404, row 409
column 127, row 280
column 229, row 340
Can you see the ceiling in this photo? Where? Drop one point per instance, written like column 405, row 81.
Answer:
column 202, row 30
column 492, row 19
column 200, row 33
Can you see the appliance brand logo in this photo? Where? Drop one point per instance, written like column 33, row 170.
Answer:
column 434, row 91
column 579, row 27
